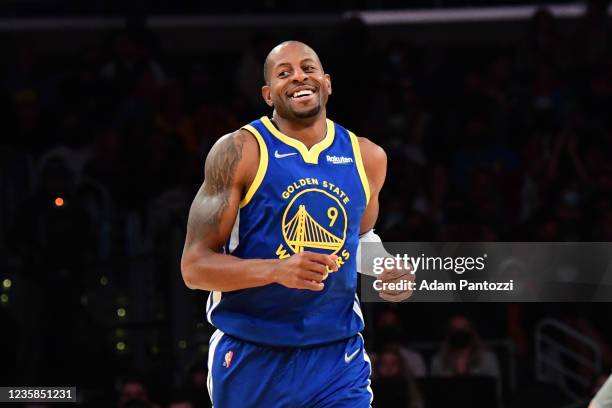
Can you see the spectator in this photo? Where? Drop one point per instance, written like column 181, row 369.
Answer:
column 393, row 383
column 133, row 394
column 389, row 332
column 132, row 69
column 463, row 353
column 196, row 388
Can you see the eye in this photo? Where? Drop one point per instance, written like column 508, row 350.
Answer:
column 283, row 74
column 309, row 68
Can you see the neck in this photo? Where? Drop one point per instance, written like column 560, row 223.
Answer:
column 309, row 131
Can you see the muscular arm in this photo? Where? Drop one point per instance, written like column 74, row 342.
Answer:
column 375, row 165
column 230, row 168
column 212, row 216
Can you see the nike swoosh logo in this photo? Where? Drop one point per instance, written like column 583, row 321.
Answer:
column 280, row 156
column 349, row 358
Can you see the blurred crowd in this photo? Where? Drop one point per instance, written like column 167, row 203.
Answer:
column 29, row 8
column 503, row 144
column 103, row 150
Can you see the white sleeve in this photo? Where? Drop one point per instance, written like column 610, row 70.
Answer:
column 375, row 250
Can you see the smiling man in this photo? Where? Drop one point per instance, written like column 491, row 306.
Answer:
column 274, row 233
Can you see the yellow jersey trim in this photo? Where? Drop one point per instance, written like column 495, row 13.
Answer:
column 360, row 168
column 261, row 169
column 309, row 155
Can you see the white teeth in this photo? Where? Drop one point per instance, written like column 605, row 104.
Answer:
column 302, row 93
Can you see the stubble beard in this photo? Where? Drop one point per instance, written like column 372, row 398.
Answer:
column 308, row 114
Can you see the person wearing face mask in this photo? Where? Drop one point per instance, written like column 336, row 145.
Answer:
column 463, row 353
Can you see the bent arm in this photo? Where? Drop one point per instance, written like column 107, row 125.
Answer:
column 375, row 165
column 212, row 216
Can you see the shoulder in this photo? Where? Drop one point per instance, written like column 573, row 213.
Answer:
column 236, row 152
column 371, row 153
column 240, row 139
column 374, row 162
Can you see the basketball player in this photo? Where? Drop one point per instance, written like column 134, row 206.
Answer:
column 273, row 233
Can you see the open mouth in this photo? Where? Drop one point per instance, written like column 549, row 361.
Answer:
column 302, row 93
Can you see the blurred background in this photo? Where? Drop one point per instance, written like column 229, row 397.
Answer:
column 495, row 116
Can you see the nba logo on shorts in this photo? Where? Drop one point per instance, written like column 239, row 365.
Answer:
column 228, row 359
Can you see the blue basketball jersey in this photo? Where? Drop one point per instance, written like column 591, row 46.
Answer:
column 300, row 200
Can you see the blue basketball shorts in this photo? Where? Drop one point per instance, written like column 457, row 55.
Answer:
column 247, row 375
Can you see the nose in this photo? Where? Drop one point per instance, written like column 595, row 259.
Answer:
column 299, row 75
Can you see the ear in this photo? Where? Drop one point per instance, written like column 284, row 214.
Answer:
column 328, row 84
column 267, row 95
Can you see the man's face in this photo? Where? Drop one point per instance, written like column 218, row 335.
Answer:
column 297, row 86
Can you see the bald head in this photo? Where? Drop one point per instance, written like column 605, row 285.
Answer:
column 276, row 55
column 293, row 67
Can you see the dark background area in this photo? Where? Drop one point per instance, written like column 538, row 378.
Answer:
column 30, row 8
column 494, row 132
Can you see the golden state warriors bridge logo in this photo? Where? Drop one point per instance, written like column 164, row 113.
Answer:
column 314, row 219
